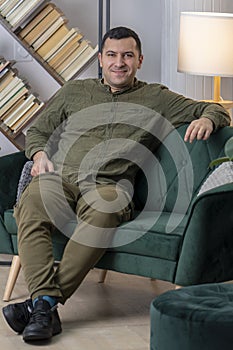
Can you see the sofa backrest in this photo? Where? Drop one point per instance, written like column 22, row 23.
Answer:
column 11, row 166
column 173, row 178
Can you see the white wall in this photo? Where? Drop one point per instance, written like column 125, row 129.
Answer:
column 142, row 16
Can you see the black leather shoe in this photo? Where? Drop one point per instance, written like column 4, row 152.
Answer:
column 17, row 315
column 44, row 322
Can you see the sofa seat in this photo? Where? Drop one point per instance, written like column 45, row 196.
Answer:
column 146, row 236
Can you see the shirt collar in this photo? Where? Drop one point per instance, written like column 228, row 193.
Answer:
column 108, row 88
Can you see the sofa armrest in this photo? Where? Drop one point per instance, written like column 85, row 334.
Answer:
column 10, row 170
column 206, row 254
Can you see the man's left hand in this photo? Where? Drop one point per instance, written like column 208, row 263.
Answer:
column 199, row 129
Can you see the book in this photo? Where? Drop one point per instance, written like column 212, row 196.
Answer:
column 45, row 36
column 9, row 7
column 18, row 16
column 3, row 72
column 19, row 84
column 85, row 58
column 4, row 5
column 23, row 91
column 41, row 27
column 26, row 117
column 55, row 48
column 18, row 112
column 36, row 20
column 12, row 84
column 69, row 46
column 12, row 108
column 5, row 81
column 20, row 10
column 4, row 64
column 2, row 2
column 53, row 41
column 67, row 57
column 72, row 57
column 29, row 16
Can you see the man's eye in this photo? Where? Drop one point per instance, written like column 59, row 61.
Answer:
column 110, row 54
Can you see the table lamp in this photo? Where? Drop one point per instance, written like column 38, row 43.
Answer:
column 206, row 47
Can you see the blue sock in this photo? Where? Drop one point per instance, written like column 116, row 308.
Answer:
column 51, row 300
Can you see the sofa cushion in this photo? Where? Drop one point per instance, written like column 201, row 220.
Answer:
column 144, row 236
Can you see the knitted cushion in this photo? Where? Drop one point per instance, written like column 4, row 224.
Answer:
column 220, row 176
column 25, row 178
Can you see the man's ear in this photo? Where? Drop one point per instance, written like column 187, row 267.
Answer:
column 140, row 61
column 100, row 59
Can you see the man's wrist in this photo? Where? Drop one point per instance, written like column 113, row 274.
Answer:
column 38, row 155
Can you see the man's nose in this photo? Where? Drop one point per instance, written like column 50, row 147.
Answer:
column 119, row 60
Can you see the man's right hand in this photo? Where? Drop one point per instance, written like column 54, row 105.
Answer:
column 41, row 164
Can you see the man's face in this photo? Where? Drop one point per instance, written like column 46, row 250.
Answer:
column 120, row 61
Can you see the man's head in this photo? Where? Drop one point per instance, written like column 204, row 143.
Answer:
column 122, row 33
column 120, row 57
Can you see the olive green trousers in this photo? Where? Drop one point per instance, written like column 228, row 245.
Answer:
column 48, row 203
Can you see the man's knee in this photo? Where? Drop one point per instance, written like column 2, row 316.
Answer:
column 106, row 206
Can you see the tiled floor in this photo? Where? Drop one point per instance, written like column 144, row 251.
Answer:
column 109, row 316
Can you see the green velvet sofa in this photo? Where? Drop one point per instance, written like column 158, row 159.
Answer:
column 176, row 235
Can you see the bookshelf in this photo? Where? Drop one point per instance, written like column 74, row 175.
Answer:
column 14, row 31
column 18, row 103
column 51, row 71
column 70, row 72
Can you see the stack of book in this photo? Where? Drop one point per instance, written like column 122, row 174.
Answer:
column 18, row 105
column 17, row 11
column 47, row 33
column 64, row 49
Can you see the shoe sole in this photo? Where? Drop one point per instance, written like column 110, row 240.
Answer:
column 35, row 336
column 9, row 315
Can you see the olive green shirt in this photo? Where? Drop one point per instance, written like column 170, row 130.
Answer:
column 89, row 132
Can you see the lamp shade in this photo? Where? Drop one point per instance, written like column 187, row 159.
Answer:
column 206, row 43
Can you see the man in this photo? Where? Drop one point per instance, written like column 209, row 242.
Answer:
column 85, row 149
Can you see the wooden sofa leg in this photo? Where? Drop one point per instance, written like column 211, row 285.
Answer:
column 177, row 286
column 103, row 274
column 13, row 274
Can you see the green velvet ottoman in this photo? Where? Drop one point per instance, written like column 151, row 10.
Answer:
column 193, row 318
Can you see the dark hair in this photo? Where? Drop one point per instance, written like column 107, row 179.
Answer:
column 121, row 33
